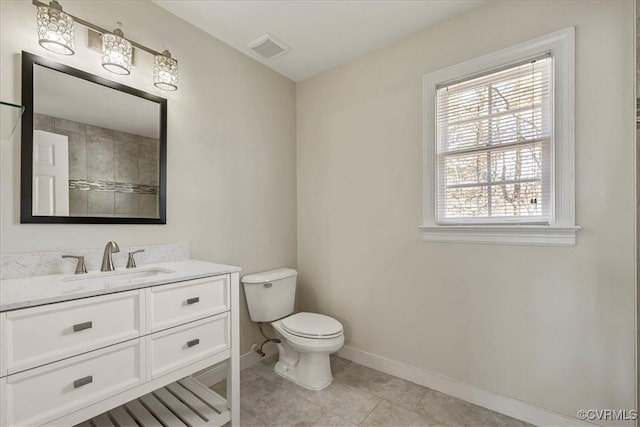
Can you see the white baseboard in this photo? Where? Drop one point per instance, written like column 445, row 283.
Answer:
column 496, row 402
column 217, row 373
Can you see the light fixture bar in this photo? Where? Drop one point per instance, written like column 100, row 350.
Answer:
column 100, row 29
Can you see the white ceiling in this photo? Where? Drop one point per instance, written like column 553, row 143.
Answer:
column 321, row 33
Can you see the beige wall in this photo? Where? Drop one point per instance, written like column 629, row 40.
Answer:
column 550, row 326
column 231, row 144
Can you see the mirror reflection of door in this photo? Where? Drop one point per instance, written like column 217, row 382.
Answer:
column 50, row 174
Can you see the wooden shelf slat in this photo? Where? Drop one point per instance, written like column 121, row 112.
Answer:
column 191, row 400
column 122, row 417
column 160, row 411
column 212, row 398
column 182, row 411
column 142, row 415
column 103, row 420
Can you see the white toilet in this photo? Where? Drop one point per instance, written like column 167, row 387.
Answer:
column 306, row 339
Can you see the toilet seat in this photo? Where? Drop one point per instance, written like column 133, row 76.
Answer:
column 312, row 325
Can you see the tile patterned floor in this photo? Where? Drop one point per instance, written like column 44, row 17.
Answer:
column 357, row 396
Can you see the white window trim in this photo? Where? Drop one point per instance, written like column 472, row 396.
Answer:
column 562, row 229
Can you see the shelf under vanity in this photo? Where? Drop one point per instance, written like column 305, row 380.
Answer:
column 103, row 347
column 185, row 403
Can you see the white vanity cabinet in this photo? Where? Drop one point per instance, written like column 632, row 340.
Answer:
column 66, row 362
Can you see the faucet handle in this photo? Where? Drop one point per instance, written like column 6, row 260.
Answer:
column 81, row 268
column 131, row 262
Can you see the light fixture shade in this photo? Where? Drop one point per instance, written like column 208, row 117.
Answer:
column 56, row 31
column 165, row 71
column 116, row 53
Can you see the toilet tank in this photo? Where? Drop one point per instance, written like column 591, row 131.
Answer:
column 270, row 295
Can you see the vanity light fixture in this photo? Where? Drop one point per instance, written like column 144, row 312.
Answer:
column 56, row 33
column 165, row 71
column 116, row 52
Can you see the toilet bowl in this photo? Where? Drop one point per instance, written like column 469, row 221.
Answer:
column 306, row 339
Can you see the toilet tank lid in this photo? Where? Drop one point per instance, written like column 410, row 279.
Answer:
column 269, row 276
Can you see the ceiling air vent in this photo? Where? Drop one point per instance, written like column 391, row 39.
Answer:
column 268, row 46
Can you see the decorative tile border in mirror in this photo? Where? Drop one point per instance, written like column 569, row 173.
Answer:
column 14, row 266
column 118, row 187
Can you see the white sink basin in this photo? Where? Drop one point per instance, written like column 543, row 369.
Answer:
column 117, row 276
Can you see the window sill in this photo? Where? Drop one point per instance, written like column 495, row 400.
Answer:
column 537, row 235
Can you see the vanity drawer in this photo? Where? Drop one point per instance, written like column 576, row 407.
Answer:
column 177, row 347
column 178, row 303
column 39, row 335
column 43, row 394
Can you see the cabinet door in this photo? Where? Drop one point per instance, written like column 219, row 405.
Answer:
column 178, row 303
column 39, row 335
column 42, row 394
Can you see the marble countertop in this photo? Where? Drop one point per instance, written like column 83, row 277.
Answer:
column 38, row 290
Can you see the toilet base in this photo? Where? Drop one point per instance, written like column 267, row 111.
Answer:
column 305, row 361
column 311, row 370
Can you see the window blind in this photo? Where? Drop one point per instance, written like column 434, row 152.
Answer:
column 494, row 145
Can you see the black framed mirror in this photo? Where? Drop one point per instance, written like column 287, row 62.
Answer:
column 93, row 151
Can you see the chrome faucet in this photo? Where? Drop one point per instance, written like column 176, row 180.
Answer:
column 107, row 257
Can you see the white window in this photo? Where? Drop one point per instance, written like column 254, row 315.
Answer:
column 499, row 148
column 493, row 140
